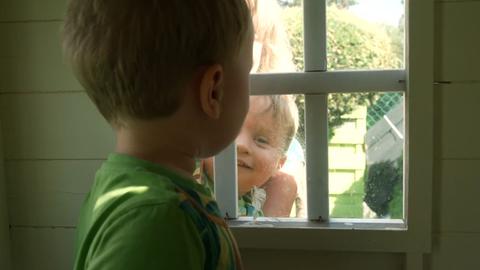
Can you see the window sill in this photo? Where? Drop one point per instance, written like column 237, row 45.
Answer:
column 336, row 235
column 333, row 224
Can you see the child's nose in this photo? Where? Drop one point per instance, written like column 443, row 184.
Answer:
column 242, row 144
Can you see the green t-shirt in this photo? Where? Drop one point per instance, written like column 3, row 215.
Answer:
column 140, row 215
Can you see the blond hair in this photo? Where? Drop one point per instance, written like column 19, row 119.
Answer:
column 285, row 112
column 276, row 54
column 135, row 58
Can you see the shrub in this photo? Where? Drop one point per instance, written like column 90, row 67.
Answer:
column 384, row 188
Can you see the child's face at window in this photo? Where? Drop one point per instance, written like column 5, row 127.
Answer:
column 259, row 146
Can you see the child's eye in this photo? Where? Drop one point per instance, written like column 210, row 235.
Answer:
column 262, row 140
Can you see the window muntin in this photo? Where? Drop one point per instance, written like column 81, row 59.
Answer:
column 317, row 83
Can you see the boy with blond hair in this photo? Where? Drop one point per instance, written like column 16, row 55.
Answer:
column 156, row 70
column 269, row 127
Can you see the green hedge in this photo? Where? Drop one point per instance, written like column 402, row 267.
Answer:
column 352, row 44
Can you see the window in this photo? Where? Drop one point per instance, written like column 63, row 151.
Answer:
column 376, row 137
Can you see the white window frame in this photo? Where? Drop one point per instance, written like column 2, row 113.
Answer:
column 411, row 235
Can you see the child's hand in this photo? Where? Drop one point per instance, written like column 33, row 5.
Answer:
column 281, row 191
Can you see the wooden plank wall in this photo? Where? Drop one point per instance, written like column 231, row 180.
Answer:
column 54, row 140
column 5, row 253
column 456, row 217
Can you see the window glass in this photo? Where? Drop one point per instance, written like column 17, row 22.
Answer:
column 271, row 158
column 271, row 173
column 366, row 146
column 366, row 130
column 278, row 45
column 365, row 34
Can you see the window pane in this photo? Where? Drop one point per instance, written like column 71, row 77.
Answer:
column 366, row 146
column 365, row 34
column 278, row 43
column 271, row 158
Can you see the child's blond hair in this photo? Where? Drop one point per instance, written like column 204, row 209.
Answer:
column 285, row 113
column 136, row 58
column 275, row 54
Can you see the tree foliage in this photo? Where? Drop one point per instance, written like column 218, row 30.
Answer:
column 352, row 43
column 342, row 3
column 338, row 3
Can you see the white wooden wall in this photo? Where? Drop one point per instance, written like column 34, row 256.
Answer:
column 54, row 140
column 456, row 219
column 5, row 255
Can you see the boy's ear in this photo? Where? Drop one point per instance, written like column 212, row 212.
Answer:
column 211, row 90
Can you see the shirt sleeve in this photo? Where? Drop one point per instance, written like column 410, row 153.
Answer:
column 148, row 237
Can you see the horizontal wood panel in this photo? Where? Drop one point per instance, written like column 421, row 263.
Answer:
column 31, row 58
column 329, row 239
column 457, row 41
column 53, row 249
column 455, row 251
column 349, row 157
column 54, row 126
column 68, row 176
column 456, row 203
column 296, row 259
column 42, row 248
column 458, row 121
column 48, row 193
column 341, row 182
column 350, row 132
column 24, row 10
column 45, row 209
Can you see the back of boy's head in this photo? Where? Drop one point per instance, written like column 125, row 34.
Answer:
column 136, row 58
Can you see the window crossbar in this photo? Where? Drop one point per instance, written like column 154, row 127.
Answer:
column 328, row 82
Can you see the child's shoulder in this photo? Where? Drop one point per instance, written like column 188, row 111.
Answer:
column 126, row 186
column 124, row 182
column 148, row 186
column 128, row 207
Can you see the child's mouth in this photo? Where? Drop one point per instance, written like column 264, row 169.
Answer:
column 242, row 164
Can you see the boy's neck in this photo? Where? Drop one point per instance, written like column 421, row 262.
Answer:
column 157, row 145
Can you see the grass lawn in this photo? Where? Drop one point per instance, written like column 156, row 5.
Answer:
column 349, row 203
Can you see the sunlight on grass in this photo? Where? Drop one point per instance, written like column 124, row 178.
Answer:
column 350, row 203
